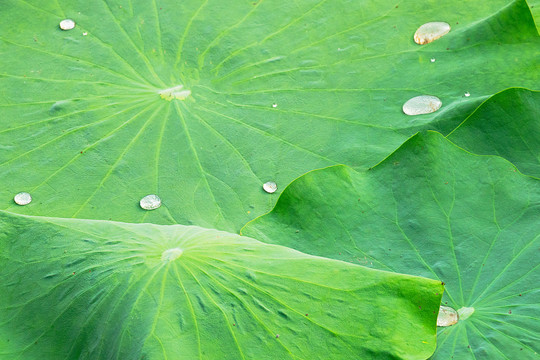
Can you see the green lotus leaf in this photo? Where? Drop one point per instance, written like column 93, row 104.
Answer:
column 431, row 209
column 108, row 290
column 506, row 125
column 201, row 102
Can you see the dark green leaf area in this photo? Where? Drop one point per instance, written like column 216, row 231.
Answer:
column 431, row 209
column 507, row 125
column 83, row 289
column 202, row 102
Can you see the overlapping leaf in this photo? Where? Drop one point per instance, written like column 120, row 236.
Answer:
column 276, row 89
column 506, row 125
column 435, row 210
column 109, row 290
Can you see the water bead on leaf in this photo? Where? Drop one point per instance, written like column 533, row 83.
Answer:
column 150, row 202
column 424, row 104
column 270, row 187
column 447, row 316
column 430, row 31
column 67, row 24
column 22, row 198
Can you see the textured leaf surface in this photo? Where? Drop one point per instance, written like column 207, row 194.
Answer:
column 434, row 210
column 110, row 290
column 508, row 125
column 85, row 130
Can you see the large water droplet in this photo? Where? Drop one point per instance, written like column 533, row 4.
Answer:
column 150, row 202
column 22, row 198
column 67, row 24
column 171, row 254
column 430, row 31
column 270, row 187
column 447, row 316
column 424, row 104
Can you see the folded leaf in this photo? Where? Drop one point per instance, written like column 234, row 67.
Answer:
column 431, row 209
column 82, row 289
column 202, row 102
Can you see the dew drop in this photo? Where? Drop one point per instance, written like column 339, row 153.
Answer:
column 467, row 94
column 274, row 105
column 22, row 198
column 85, row 33
column 171, row 254
column 432, row 60
column 424, row 104
column 150, row 202
column 447, row 316
column 67, row 24
column 270, row 187
column 430, row 31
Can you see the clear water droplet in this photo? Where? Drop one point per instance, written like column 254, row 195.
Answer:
column 447, row 316
column 424, row 104
column 467, row 94
column 431, row 31
column 150, row 202
column 270, row 187
column 67, row 24
column 22, row 198
column 432, row 60
column 85, row 33
column 274, row 105
column 171, row 254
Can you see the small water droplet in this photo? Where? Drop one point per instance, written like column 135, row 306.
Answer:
column 424, row 104
column 22, row 198
column 67, row 24
column 432, row 60
column 447, row 316
column 467, row 94
column 171, row 254
column 270, row 187
column 274, row 105
column 150, row 202
column 85, row 33
column 430, row 31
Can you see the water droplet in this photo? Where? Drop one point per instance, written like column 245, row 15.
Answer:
column 467, row 94
column 171, row 254
column 447, row 316
column 431, row 31
column 432, row 60
column 274, row 105
column 270, row 187
column 150, row 202
column 67, row 24
column 85, row 33
column 22, row 198
column 424, row 104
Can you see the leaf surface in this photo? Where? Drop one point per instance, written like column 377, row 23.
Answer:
column 108, row 290
column 431, row 209
column 507, row 125
column 201, row 102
